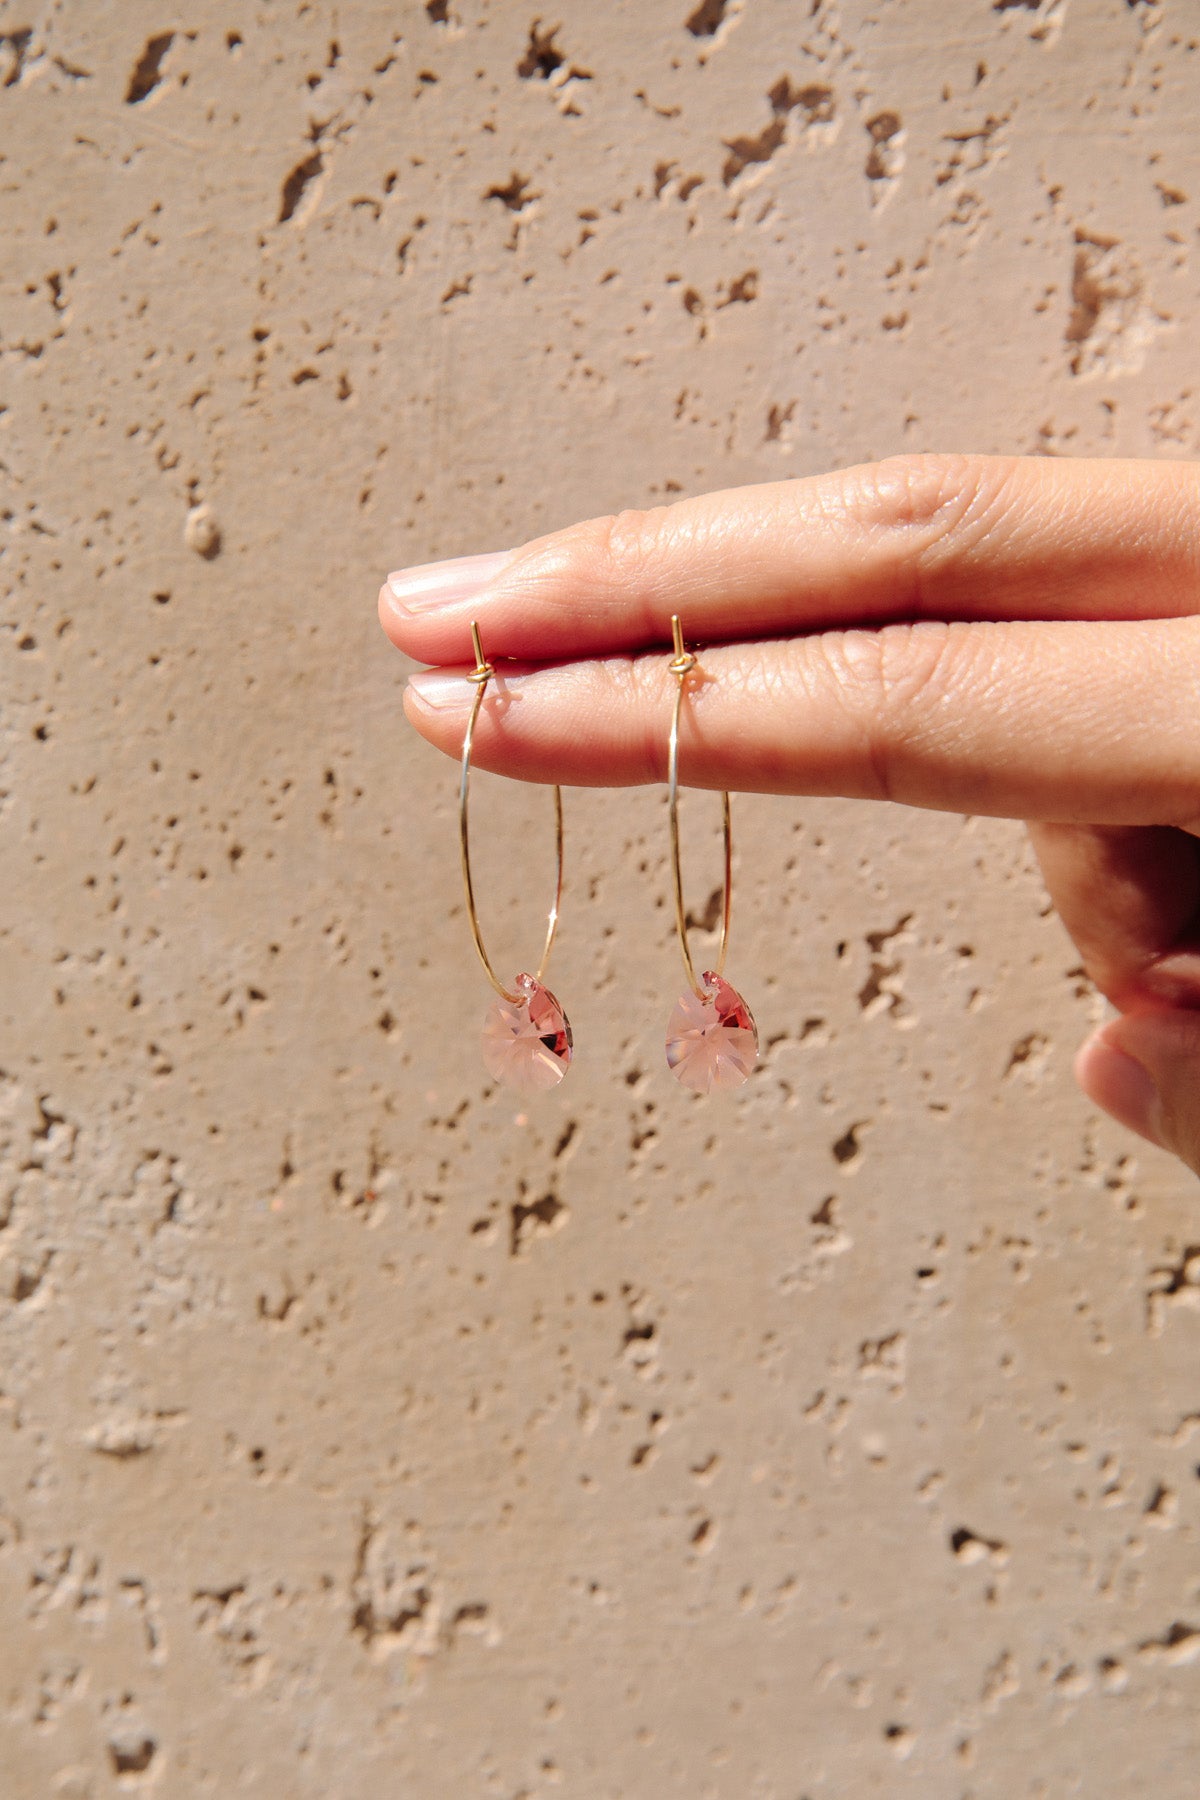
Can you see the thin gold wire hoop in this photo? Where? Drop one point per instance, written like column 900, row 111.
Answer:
column 681, row 666
column 481, row 674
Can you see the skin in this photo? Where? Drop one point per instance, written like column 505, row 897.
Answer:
column 1017, row 636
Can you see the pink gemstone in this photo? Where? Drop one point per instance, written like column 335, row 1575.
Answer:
column 712, row 1041
column 527, row 1042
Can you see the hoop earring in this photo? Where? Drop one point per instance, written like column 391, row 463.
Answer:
column 712, row 1040
column 526, row 1035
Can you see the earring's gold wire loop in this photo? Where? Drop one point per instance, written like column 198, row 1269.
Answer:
column 481, row 674
column 681, row 666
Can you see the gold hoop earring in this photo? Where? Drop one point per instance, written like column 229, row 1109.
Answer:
column 712, row 1040
column 526, row 1034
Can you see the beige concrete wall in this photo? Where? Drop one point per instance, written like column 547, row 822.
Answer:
column 362, row 1433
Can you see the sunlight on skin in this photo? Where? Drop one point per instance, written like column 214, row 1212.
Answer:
column 1006, row 635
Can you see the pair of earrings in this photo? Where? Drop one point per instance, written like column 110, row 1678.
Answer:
column 712, row 1040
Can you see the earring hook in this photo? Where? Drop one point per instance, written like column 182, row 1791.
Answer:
column 481, row 674
column 681, row 666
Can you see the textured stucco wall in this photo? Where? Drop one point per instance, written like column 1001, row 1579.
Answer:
column 359, row 1432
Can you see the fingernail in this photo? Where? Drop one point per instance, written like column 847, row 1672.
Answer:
column 433, row 584
column 1115, row 1081
column 441, row 690
column 1174, row 979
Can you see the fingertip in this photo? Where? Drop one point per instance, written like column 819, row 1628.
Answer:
column 1119, row 1085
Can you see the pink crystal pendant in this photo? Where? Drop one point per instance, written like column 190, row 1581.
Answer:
column 527, row 1042
column 712, row 1040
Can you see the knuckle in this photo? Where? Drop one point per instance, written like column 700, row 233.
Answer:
column 910, row 491
column 624, row 544
column 919, row 665
column 888, row 672
column 931, row 511
column 618, row 558
column 893, row 684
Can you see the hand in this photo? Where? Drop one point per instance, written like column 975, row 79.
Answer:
column 1016, row 636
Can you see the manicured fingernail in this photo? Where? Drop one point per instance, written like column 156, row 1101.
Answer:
column 441, row 690
column 443, row 583
column 1121, row 1086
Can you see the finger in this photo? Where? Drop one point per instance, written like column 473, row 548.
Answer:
column 1130, row 898
column 914, row 537
column 1067, row 721
column 1144, row 1069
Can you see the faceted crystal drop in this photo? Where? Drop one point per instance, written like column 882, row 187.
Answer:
column 527, row 1042
column 712, row 1041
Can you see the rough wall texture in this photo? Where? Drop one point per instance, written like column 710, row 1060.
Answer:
column 359, row 1433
